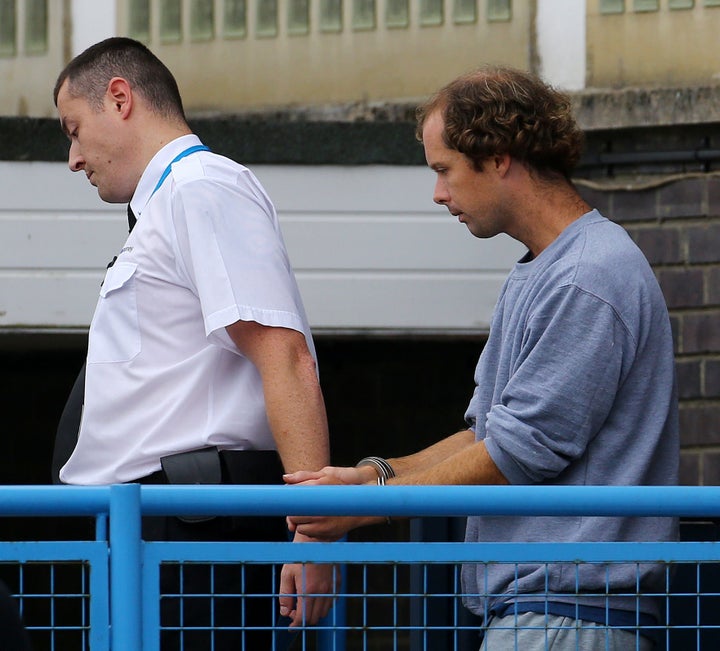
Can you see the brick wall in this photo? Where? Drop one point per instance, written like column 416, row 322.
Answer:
column 677, row 225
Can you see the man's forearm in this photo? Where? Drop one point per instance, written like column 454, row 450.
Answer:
column 433, row 455
column 468, row 465
column 296, row 414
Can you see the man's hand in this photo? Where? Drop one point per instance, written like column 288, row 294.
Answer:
column 298, row 585
column 334, row 527
column 329, row 475
column 327, row 528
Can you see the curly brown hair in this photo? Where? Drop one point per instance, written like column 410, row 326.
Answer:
column 500, row 110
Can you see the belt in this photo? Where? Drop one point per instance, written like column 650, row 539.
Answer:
column 213, row 466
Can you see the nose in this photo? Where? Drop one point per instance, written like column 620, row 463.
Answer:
column 440, row 194
column 75, row 160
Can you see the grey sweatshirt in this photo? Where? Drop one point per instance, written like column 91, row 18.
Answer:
column 576, row 386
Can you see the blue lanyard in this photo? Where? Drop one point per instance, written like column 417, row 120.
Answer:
column 182, row 154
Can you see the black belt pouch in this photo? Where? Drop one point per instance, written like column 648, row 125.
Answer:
column 213, row 466
column 251, row 467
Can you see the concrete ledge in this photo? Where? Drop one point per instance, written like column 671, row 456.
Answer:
column 643, row 107
column 633, row 119
column 596, row 108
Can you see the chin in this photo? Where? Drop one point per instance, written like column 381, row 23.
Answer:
column 481, row 233
column 111, row 198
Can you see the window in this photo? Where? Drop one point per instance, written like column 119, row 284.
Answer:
column 397, row 13
column 431, row 12
column 499, row 10
column 170, row 21
column 646, row 5
column 8, row 33
column 330, row 15
column 363, row 16
column 612, row 6
column 465, row 11
column 267, row 18
column 298, row 16
column 235, row 19
column 36, row 22
column 202, row 20
column 681, row 4
column 139, row 20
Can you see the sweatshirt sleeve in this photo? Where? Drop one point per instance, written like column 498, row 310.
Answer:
column 562, row 388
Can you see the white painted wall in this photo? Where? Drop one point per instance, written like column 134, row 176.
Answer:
column 92, row 21
column 370, row 250
column 561, row 42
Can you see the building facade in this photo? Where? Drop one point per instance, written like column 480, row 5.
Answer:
column 398, row 295
column 232, row 55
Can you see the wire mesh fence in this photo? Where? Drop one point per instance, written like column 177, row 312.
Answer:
column 107, row 593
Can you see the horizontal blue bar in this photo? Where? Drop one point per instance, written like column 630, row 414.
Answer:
column 435, row 552
column 58, row 550
column 687, row 501
column 54, row 500
column 433, row 500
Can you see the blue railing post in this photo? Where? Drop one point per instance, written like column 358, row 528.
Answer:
column 333, row 637
column 125, row 568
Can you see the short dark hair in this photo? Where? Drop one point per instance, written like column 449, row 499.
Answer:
column 89, row 73
column 500, row 110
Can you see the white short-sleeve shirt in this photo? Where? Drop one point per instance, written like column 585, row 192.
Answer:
column 163, row 375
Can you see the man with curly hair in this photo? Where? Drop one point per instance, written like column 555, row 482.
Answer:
column 575, row 385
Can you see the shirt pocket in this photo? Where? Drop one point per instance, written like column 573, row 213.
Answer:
column 114, row 331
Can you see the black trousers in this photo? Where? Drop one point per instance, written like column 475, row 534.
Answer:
column 13, row 635
column 224, row 607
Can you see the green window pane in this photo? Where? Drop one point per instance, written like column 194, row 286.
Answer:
column 298, row 16
column 202, row 20
column 267, row 18
column 36, row 12
column 8, row 29
column 612, row 6
column 712, row 3
column 170, row 21
column 681, row 4
column 431, row 12
column 139, row 20
column 330, row 15
column 235, row 19
column 646, row 5
column 465, row 11
column 397, row 13
column 499, row 10
column 363, row 14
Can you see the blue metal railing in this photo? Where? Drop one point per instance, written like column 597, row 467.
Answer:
column 124, row 592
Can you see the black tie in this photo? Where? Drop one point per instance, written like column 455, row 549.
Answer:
column 132, row 220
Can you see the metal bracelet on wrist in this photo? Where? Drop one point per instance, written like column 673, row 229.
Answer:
column 384, row 472
column 382, row 467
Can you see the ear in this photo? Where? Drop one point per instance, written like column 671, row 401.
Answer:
column 501, row 164
column 119, row 97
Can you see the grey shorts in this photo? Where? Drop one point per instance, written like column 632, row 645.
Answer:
column 540, row 632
